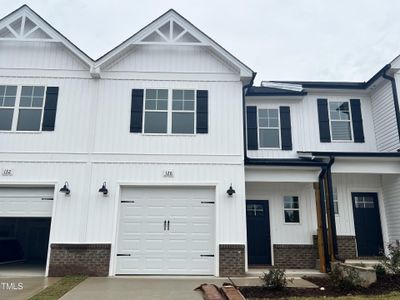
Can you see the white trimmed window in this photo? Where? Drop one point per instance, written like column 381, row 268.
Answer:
column 268, row 128
column 173, row 113
column 340, row 120
column 156, row 111
column 183, row 111
column 8, row 95
column 23, row 112
column 291, row 208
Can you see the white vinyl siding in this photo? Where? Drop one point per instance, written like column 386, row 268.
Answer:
column 268, row 128
column 340, row 121
column 384, row 116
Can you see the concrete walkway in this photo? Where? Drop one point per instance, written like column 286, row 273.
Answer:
column 22, row 288
column 140, row 288
column 145, row 288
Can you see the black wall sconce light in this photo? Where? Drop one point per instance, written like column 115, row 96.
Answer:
column 104, row 189
column 230, row 191
column 65, row 189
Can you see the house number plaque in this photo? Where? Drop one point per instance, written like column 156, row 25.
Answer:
column 168, row 173
column 7, row 172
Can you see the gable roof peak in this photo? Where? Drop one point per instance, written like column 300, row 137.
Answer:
column 25, row 25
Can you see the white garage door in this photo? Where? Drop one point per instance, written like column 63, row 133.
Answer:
column 166, row 230
column 26, row 202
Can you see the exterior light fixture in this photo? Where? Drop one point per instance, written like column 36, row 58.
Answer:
column 103, row 189
column 230, row 191
column 65, row 189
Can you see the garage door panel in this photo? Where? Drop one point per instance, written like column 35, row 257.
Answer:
column 26, row 202
column 159, row 250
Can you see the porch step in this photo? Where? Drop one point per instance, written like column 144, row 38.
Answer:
column 290, row 273
column 359, row 262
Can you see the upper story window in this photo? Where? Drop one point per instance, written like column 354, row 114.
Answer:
column 156, row 111
column 23, row 112
column 291, row 207
column 183, row 111
column 161, row 117
column 268, row 128
column 8, row 95
column 340, row 119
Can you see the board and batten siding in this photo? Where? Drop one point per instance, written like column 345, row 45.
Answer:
column 350, row 183
column 39, row 56
column 385, row 123
column 391, row 192
column 305, row 126
column 92, row 143
column 282, row 233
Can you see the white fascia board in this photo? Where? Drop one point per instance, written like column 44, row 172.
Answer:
column 244, row 71
column 366, row 166
column 283, row 174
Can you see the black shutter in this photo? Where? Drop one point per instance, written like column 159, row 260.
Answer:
column 202, row 111
column 50, row 109
column 323, row 119
column 252, row 135
column 286, row 128
column 137, row 110
column 356, row 118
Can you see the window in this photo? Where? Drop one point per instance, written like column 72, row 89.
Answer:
column 30, row 108
column 255, row 210
column 364, row 202
column 335, row 200
column 23, row 113
column 268, row 132
column 156, row 111
column 177, row 118
column 291, row 209
column 183, row 111
column 8, row 95
column 339, row 113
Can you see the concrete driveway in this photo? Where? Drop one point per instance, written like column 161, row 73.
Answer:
column 22, row 288
column 140, row 288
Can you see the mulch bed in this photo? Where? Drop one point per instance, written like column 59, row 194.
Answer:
column 384, row 285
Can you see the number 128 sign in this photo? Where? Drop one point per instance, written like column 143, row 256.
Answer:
column 7, row 172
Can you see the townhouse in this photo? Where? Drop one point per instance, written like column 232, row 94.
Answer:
column 162, row 158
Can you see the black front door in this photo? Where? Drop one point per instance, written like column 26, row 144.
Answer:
column 367, row 223
column 258, row 234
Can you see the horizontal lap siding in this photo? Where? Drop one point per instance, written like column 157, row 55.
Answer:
column 387, row 136
column 391, row 192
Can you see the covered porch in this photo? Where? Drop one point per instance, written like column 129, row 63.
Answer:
column 286, row 205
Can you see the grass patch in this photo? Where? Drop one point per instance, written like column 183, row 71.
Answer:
column 58, row 289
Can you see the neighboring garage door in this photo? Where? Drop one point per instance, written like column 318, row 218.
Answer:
column 166, row 230
column 26, row 202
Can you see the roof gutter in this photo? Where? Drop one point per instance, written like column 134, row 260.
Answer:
column 395, row 98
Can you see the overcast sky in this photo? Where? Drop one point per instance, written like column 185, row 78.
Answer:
column 345, row 40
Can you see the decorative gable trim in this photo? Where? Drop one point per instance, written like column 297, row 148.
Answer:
column 173, row 29
column 25, row 25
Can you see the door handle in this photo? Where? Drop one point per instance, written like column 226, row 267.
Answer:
column 165, row 225
column 168, row 225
